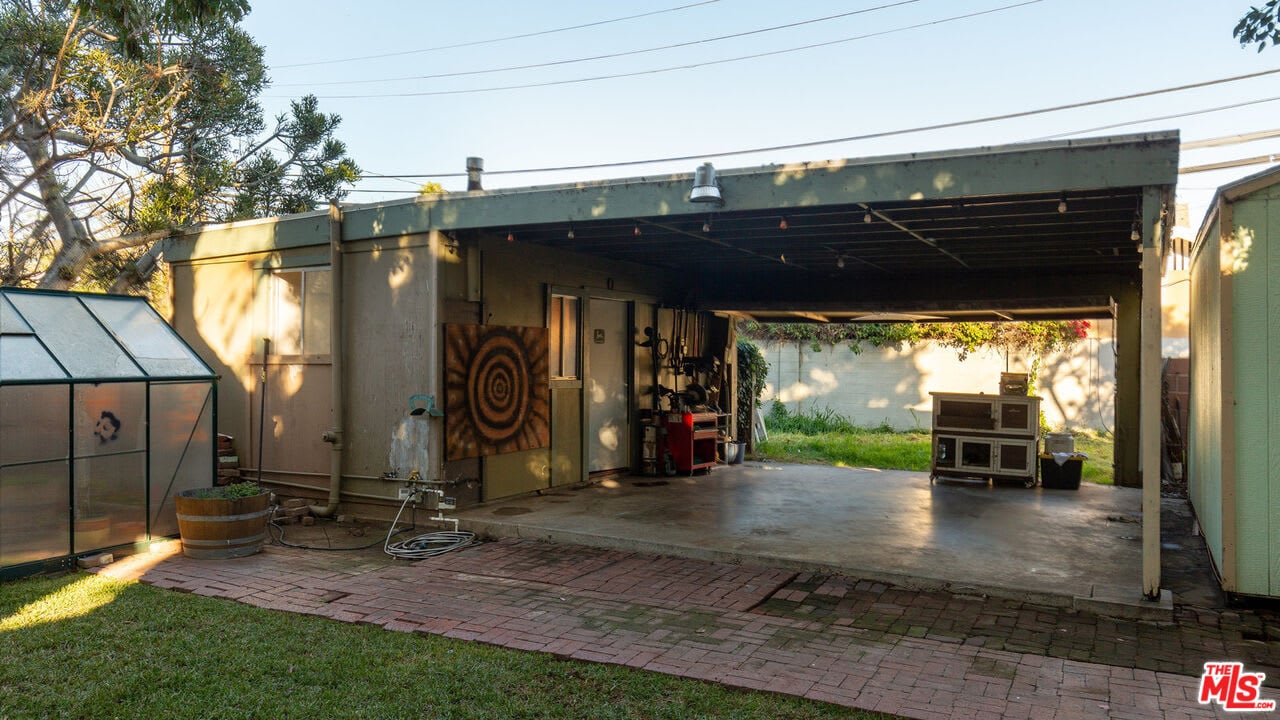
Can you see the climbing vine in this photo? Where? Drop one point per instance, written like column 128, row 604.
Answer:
column 753, row 372
column 964, row 337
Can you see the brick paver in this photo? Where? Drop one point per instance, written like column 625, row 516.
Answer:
column 838, row 640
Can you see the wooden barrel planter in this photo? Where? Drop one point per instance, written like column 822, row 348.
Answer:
column 215, row 528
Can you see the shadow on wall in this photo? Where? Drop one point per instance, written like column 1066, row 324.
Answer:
column 891, row 386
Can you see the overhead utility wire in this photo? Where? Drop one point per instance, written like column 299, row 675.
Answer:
column 609, row 56
column 505, row 38
column 688, row 66
column 1174, row 116
column 867, row 136
column 1237, row 139
column 1228, row 164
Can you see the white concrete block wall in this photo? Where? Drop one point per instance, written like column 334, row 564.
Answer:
column 892, row 385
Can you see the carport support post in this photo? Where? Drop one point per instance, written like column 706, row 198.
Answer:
column 1128, row 423
column 1149, row 421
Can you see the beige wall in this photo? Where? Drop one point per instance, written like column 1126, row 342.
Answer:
column 391, row 354
column 892, row 385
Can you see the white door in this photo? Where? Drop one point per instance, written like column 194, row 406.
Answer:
column 608, row 424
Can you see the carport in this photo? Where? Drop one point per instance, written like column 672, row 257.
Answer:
column 456, row 305
column 1069, row 229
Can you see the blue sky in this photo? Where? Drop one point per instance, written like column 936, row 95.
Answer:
column 1019, row 57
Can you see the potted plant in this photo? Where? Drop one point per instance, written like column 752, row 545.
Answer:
column 223, row 522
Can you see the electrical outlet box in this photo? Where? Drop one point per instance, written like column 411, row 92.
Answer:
column 447, row 503
column 404, row 493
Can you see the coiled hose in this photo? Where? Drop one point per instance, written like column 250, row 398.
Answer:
column 426, row 545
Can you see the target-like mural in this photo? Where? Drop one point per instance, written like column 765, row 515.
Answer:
column 497, row 398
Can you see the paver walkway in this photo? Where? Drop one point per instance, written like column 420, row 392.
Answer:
column 860, row 644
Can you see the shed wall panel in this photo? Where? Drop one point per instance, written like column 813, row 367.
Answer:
column 388, row 353
column 213, row 311
column 1247, row 256
column 1204, row 461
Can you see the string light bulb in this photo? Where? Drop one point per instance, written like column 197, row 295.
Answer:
column 840, row 261
column 1062, row 205
column 636, row 231
column 1134, row 235
column 571, row 234
column 782, row 224
column 511, row 237
column 867, row 217
column 706, row 225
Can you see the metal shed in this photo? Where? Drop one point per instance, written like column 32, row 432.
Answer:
column 1234, row 453
column 105, row 414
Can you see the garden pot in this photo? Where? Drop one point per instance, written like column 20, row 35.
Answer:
column 218, row 528
column 92, row 532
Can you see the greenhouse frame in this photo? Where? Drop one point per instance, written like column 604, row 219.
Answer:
column 105, row 415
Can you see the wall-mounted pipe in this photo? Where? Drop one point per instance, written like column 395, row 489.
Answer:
column 334, row 434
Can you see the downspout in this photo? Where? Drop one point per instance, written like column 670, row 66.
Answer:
column 334, row 434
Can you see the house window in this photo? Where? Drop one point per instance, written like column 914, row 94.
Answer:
column 564, row 333
column 298, row 308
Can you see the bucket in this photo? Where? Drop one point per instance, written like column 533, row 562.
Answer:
column 1059, row 443
column 735, row 452
column 220, row 528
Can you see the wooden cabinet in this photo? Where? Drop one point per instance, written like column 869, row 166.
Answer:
column 693, row 440
column 985, row 436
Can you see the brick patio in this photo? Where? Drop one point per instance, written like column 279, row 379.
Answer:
column 828, row 638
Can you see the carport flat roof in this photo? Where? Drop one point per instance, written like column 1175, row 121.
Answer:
column 1022, row 231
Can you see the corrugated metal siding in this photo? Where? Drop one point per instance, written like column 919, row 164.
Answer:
column 1204, row 462
column 1246, row 260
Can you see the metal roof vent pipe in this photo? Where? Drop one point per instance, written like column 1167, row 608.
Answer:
column 705, row 187
column 475, row 168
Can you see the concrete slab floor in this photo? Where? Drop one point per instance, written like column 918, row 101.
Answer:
column 1047, row 546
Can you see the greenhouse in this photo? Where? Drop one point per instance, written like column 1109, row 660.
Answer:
column 105, row 415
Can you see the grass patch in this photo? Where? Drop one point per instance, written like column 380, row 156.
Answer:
column 91, row 647
column 827, row 438
column 1101, row 449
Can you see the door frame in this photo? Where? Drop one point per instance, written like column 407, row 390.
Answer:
column 585, row 293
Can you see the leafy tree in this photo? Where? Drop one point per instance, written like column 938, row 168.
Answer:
column 121, row 120
column 1259, row 26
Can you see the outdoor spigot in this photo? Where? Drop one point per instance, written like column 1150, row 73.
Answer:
column 428, row 406
column 332, row 435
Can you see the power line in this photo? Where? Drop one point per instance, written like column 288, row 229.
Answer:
column 489, row 41
column 687, row 66
column 1157, row 118
column 609, row 56
column 867, row 136
column 1228, row 164
column 1238, row 139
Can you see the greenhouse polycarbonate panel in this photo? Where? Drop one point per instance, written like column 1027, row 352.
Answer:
column 110, row 499
column 10, row 321
column 22, row 358
column 33, row 424
column 110, row 418
column 181, row 447
column 34, row 524
column 110, row 442
column 153, row 344
column 74, row 336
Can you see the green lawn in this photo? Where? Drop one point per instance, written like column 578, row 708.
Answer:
column 90, row 647
column 828, row 439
